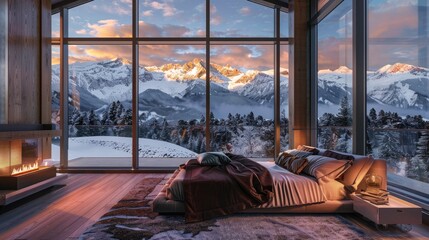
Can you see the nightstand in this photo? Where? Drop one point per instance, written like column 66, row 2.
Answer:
column 397, row 211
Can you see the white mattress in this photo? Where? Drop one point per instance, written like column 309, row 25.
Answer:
column 289, row 189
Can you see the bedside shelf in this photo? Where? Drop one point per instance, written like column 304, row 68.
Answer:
column 397, row 211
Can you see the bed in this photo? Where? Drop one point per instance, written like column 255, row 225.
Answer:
column 292, row 193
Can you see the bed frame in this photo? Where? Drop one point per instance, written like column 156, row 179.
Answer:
column 162, row 204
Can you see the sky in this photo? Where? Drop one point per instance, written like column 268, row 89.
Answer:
column 175, row 18
column 395, row 22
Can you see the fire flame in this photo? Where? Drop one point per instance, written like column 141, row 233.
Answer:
column 25, row 168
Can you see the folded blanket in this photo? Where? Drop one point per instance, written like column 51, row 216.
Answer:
column 212, row 191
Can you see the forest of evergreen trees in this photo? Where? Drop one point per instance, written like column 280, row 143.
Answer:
column 402, row 141
column 249, row 134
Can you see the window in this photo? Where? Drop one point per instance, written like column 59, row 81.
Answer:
column 240, row 19
column 171, row 104
column 55, row 102
column 174, row 120
column 55, row 25
column 100, row 113
column 334, row 94
column 177, row 18
column 398, row 86
column 284, row 97
column 242, row 99
column 101, row 18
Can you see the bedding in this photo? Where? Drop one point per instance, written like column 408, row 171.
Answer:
column 291, row 163
column 289, row 189
column 211, row 191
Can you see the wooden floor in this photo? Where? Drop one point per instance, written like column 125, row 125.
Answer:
column 65, row 212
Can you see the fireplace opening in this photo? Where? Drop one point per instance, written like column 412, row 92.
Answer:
column 20, row 164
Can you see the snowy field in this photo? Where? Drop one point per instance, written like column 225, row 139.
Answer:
column 111, row 146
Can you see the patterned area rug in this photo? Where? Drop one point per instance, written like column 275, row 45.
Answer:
column 132, row 218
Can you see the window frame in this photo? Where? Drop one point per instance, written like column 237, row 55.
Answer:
column 135, row 41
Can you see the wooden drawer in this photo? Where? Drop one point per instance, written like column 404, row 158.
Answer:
column 396, row 212
column 400, row 216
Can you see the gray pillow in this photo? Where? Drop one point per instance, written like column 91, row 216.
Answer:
column 325, row 167
column 213, row 158
column 298, row 153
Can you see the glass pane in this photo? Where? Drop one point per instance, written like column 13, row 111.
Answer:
column 171, row 104
column 240, row 18
column 284, row 97
column 335, row 79
column 55, row 101
column 398, row 88
column 242, row 99
column 55, row 25
column 172, row 18
column 101, row 18
column 100, row 115
column 284, row 24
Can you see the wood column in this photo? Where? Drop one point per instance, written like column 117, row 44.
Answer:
column 299, row 75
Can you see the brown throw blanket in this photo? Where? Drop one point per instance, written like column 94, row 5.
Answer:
column 212, row 191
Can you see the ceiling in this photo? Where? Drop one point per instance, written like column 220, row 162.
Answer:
column 58, row 4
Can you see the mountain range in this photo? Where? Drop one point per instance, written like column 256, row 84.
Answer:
column 178, row 91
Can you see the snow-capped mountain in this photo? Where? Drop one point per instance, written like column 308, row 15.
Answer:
column 172, row 90
column 398, row 85
column 178, row 91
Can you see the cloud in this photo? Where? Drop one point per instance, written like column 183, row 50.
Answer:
column 81, row 32
column 396, row 22
column 215, row 20
column 148, row 13
column 79, row 53
column 166, row 8
column 109, row 28
column 213, row 9
column 259, row 57
column 245, row 11
column 201, row 8
column 122, row 7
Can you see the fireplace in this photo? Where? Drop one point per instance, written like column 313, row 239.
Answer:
column 21, row 164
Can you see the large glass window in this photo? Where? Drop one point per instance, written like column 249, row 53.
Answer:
column 334, row 94
column 177, row 18
column 55, row 101
column 398, row 87
column 284, row 97
column 55, row 25
column 240, row 19
column 242, row 99
column 100, row 112
column 171, row 104
column 101, row 18
column 173, row 112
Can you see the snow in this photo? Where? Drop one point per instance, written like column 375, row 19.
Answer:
column 111, row 146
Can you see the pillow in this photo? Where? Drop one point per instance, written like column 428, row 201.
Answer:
column 337, row 155
column 357, row 172
column 325, row 167
column 306, row 148
column 291, row 163
column 297, row 153
column 213, row 158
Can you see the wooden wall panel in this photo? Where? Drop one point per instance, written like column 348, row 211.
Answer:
column 299, row 82
column 45, row 72
column 24, row 62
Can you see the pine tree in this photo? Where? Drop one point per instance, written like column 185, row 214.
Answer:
column 344, row 116
column 165, row 132
column 389, row 149
column 112, row 113
column 372, row 117
column 418, row 166
column 250, row 119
